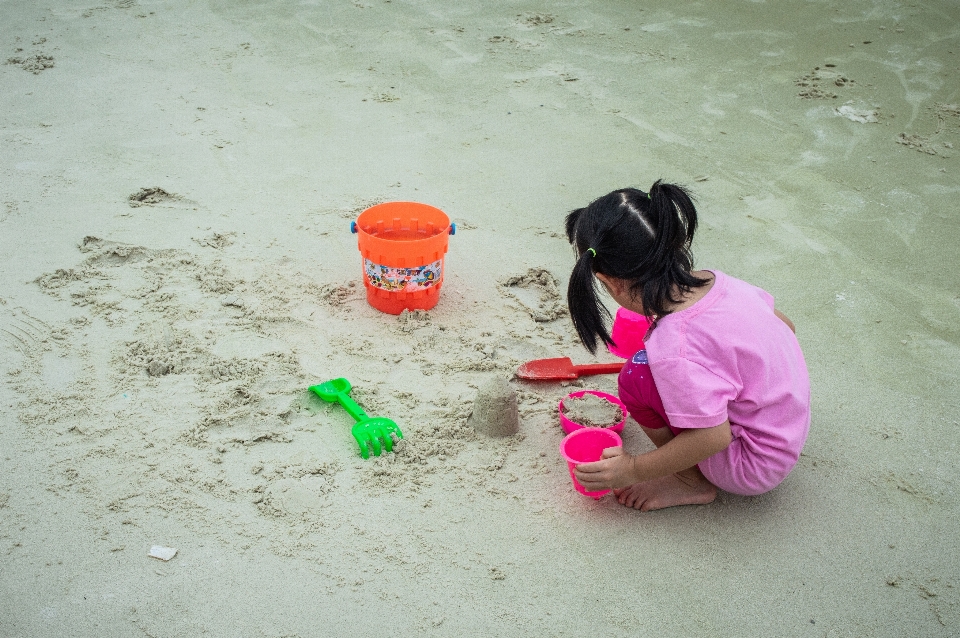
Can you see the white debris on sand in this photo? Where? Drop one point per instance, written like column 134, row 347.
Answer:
column 161, row 552
column 862, row 115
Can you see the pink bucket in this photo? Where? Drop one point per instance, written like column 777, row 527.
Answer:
column 629, row 329
column 586, row 445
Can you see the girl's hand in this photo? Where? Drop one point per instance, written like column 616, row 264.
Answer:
column 614, row 469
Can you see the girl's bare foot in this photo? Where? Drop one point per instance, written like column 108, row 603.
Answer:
column 683, row 488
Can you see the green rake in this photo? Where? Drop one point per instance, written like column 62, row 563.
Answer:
column 374, row 433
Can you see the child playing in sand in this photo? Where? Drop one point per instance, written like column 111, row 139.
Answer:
column 721, row 388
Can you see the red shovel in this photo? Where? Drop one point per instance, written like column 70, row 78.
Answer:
column 562, row 368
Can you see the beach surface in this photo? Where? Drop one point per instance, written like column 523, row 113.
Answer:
column 177, row 183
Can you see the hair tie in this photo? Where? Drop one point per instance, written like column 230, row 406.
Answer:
column 592, row 251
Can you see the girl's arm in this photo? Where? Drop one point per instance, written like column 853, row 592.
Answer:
column 617, row 469
column 785, row 319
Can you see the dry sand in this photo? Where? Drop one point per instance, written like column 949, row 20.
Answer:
column 176, row 185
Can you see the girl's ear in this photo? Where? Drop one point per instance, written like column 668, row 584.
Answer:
column 615, row 285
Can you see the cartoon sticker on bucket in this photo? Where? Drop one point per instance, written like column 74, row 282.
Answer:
column 403, row 279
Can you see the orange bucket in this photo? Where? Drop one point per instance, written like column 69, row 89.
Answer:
column 402, row 245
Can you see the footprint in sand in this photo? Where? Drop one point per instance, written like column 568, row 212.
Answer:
column 820, row 82
column 339, row 295
column 154, row 196
column 537, row 292
column 36, row 64
column 298, row 496
column 536, row 19
column 215, row 240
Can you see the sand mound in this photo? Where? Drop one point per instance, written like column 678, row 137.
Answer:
column 592, row 411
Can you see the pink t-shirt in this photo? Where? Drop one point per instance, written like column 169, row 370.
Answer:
column 729, row 357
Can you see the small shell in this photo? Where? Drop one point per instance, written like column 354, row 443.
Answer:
column 163, row 553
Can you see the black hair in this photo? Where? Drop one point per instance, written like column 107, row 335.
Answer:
column 643, row 238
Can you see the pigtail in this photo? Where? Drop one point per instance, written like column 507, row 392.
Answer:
column 670, row 261
column 673, row 204
column 586, row 310
column 589, row 315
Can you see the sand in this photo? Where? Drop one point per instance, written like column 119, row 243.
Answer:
column 494, row 410
column 177, row 184
column 592, row 411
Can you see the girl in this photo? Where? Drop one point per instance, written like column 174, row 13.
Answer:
column 721, row 388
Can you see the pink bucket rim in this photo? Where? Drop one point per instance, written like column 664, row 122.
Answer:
column 572, row 426
column 613, row 436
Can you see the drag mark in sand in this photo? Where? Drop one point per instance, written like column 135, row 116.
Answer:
column 665, row 136
column 22, row 331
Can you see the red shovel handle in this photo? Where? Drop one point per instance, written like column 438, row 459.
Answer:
column 598, row 368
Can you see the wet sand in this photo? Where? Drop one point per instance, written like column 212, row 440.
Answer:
column 176, row 268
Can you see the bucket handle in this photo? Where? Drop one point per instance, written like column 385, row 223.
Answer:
column 452, row 230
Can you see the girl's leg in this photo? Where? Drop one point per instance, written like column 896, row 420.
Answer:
column 638, row 391
column 687, row 487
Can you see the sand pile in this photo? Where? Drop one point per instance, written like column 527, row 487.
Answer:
column 592, row 411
